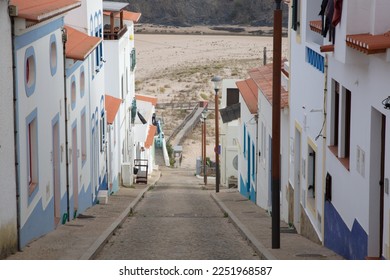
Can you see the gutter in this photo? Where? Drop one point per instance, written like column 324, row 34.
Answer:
column 64, row 40
column 15, row 106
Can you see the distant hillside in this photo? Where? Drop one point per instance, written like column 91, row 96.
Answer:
column 206, row 12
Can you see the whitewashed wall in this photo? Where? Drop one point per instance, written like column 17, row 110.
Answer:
column 8, row 231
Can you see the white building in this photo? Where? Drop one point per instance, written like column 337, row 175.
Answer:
column 307, row 101
column 120, row 84
column 352, row 161
column 40, row 115
column 8, row 214
column 262, row 76
column 78, row 49
column 145, row 130
column 229, row 132
column 247, row 138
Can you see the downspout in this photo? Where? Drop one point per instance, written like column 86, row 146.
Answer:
column 16, row 151
column 257, row 152
column 64, row 40
column 324, row 146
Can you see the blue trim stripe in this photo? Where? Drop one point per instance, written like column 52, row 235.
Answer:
column 35, row 34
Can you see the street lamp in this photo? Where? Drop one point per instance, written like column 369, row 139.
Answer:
column 217, row 86
column 203, row 120
column 276, row 84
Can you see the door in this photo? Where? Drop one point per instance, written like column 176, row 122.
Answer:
column 270, row 173
column 377, row 178
column 297, row 179
column 56, row 173
column 75, row 174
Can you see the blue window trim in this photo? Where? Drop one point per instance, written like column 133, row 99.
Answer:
column 315, row 59
column 30, row 53
column 73, row 102
column 83, row 113
column 29, row 119
column 82, row 91
column 54, row 121
column 53, row 68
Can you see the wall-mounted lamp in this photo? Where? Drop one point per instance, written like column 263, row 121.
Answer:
column 386, row 103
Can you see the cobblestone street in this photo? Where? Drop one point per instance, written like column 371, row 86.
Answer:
column 177, row 220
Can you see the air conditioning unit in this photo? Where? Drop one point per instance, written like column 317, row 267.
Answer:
column 127, row 174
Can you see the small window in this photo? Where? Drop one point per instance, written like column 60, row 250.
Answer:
column 73, row 93
column 30, row 71
column 83, row 138
column 232, row 96
column 102, row 132
column 32, row 152
column 82, row 82
column 53, row 55
column 244, row 140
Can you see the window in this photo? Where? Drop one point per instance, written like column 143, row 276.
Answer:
column 32, row 151
column 73, row 92
column 315, row 59
column 340, row 138
column 244, row 140
column 53, row 54
column 253, row 161
column 83, row 137
column 232, row 96
column 295, row 15
column 102, row 132
column 82, row 82
column 29, row 71
column 263, row 142
column 335, row 114
column 132, row 60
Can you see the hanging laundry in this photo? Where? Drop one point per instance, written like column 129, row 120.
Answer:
column 323, row 7
column 328, row 17
column 338, row 8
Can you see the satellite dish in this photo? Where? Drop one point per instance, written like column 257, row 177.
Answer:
column 235, row 162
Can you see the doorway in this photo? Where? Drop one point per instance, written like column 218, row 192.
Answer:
column 75, row 170
column 377, row 179
column 297, row 179
column 56, row 172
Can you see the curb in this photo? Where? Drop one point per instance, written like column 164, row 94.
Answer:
column 95, row 248
column 260, row 249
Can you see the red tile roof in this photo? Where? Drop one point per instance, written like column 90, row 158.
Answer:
column 262, row 76
column 111, row 105
column 368, row 43
column 150, row 138
column 248, row 90
column 146, row 98
column 40, row 10
column 79, row 44
column 127, row 15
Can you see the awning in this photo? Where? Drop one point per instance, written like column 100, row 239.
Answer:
column 127, row 15
column 146, row 98
column 368, row 43
column 111, row 105
column 79, row 45
column 231, row 113
column 150, row 138
column 40, row 10
column 114, row 6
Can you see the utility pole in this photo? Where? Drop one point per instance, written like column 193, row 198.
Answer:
column 276, row 84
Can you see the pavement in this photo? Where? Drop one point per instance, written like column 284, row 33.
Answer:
column 83, row 238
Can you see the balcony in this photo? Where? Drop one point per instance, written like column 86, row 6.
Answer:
column 114, row 32
column 113, row 12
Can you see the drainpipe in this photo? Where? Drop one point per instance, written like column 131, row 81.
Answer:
column 64, row 40
column 257, row 151
column 324, row 145
column 15, row 105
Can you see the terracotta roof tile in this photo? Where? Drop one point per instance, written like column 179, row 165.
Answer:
column 368, row 43
column 79, row 44
column 150, row 138
column 127, row 15
column 40, row 10
column 146, row 98
column 262, row 76
column 111, row 105
column 248, row 90
column 316, row 26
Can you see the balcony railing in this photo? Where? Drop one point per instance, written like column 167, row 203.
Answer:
column 114, row 33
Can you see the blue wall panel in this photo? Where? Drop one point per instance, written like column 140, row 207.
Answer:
column 351, row 244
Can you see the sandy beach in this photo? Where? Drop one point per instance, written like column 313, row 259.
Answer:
column 178, row 68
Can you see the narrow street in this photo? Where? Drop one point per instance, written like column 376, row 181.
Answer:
column 177, row 219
